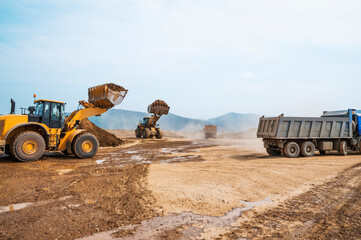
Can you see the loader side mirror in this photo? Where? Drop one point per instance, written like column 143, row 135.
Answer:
column 31, row 109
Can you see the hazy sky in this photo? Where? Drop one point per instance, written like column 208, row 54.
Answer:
column 204, row 58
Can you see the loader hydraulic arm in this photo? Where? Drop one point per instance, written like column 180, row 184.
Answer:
column 153, row 120
column 101, row 99
column 75, row 117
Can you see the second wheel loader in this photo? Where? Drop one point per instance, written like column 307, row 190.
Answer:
column 148, row 128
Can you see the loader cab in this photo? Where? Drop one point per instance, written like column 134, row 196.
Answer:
column 145, row 121
column 50, row 113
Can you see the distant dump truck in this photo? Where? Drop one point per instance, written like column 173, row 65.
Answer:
column 294, row 136
column 210, row 131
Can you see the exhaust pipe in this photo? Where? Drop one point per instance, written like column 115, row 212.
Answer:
column 12, row 106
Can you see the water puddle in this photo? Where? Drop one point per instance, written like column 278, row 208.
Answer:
column 18, row 206
column 63, row 171
column 192, row 225
column 179, row 159
column 131, row 152
column 99, row 161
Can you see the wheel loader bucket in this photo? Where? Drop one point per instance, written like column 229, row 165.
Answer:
column 159, row 107
column 106, row 95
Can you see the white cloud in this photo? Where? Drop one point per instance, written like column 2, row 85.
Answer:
column 248, row 75
column 164, row 48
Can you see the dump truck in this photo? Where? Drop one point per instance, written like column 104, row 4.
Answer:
column 295, row 136
column 27, row 136
column 148, row 128
column 210, row 131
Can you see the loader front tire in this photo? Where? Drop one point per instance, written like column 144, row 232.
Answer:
column 85, row 145
column 146, row 133
column 138, row 132
column 159, row 134
column 27, row 146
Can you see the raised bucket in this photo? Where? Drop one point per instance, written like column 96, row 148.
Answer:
column 159, row 107
column 106, row 95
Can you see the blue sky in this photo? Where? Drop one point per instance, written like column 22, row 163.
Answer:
column 205, row 58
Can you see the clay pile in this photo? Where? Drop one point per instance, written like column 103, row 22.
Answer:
column 106, row 139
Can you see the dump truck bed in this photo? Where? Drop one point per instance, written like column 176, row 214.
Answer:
column 210, row 128
column 304, row 128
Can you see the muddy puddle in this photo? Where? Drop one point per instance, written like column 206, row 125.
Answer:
column 154, row 152
column 187, row 224
column 18, row 206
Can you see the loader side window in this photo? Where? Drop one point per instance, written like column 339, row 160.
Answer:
column 46, row 114
column 46, row 109
column 57, row 115
column 145, row 122
column 39, row 109
column 55, row 112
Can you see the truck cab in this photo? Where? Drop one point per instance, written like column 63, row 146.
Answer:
column 354, row 116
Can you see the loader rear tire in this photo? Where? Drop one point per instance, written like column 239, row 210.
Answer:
column 85, row 145
column 159, row 134
column 146, row 133
column 27, row 146
column 138, row 133
column 292, row 150
column 308, row 149
column 342, row 149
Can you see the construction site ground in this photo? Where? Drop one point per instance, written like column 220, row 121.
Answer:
column 181, row 188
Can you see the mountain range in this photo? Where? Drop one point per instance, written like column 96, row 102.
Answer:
column 125, row 119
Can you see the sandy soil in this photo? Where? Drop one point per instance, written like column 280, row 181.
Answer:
column 177, row 188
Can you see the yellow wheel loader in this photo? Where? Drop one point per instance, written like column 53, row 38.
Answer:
column 44, row 128
column 148, row 128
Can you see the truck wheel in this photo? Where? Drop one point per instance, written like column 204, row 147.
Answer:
column 27, row 146
column 273, row 152
column 85, row 145
column 342, row 149
column 146, row 133
column 138, row 132
column 292, row 150
column 268, row 151
column 308, row 149
column 159, row 134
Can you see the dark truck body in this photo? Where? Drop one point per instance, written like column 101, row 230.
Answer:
column 292, row 136
column 210, row 131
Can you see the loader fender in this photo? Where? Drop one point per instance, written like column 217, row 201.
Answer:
column 67, row 145
column 26, row 127
column 71, row 137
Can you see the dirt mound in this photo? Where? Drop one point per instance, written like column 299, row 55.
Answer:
column 106, row 139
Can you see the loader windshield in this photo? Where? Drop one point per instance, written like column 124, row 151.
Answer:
column 145, row 122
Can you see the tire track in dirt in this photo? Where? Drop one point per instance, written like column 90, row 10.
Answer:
column 102, row 196
column 328, row 211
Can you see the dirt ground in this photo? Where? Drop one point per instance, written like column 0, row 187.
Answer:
column 181, row 188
